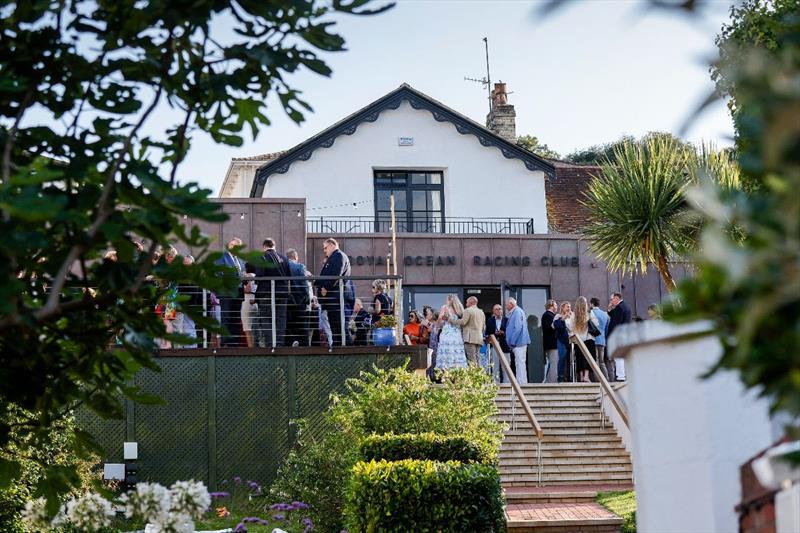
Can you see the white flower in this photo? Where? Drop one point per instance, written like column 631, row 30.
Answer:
column 35, row 515
column 189, row 498
column 90, row 512
column 148, row 501
column 172, row 523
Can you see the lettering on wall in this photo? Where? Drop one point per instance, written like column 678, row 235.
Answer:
column 477, row 260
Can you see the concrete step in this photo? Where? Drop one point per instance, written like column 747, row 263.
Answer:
column 550, row 409
column 561, row 493
column 551, row 418
column 553, row 430
column 550, row 446
column 549, row 467
column 554, row 459
column 563, row 517
column 567, row 478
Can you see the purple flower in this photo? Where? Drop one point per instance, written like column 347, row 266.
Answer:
column 307, row 523
column 254, row 485
column 281, row 507
column 237, row 479
column 300, row 505
column 240, row 528
column 219, row 494
column 278, row 516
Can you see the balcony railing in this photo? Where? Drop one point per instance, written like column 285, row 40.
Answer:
column 468, row 225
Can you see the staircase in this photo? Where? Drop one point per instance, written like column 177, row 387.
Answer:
column 582, row 454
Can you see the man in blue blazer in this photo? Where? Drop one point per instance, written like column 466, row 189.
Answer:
column 336, row 264
column 231, row 306
column 518, row 338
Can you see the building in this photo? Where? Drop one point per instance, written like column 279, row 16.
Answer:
column 476, row 214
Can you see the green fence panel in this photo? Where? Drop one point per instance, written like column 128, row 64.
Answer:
column 173, row 437
column 228, row 416
column 252, row 417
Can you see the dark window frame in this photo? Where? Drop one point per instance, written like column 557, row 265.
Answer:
column 407, row 218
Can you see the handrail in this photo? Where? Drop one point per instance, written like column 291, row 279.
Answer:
column 515, row 384
column 612, row 394
column 408, row 340
column 523, row 400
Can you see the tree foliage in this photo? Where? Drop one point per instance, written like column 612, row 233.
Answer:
column 600, row 153
column 81, row 172
column 532, row 144
column 750, row 289
column 637, row 203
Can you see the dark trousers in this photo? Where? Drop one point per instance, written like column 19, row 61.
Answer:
column 298, row 324
column 231, row 310
column 563, row 359
column 335, row 320
column 264, row 323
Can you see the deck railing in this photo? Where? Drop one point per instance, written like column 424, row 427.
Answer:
column 450, row 225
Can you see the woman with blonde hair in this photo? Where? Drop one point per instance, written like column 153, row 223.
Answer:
column 578, row 325
column 381, row 303
column 450, row 350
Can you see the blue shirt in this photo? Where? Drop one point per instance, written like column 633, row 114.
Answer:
column 516, row 329
column 603, row 319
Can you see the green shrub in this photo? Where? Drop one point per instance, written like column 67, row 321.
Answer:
column 379, row 402
column 12, row 502
column 422, row 496
column 424, row 446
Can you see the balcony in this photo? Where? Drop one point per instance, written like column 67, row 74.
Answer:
column 335, row 225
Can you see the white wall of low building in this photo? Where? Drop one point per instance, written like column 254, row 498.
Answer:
column 478, row 180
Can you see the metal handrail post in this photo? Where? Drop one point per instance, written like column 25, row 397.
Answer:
column 272, row 318
column 605, row 385
column 205, row 315
column 341, row 311
column 572, row 362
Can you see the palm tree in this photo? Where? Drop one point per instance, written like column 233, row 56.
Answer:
column 637, row 205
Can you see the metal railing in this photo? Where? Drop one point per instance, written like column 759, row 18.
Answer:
column 450, row 225
column 604, row 384
column 516, row 389
column 272, row 312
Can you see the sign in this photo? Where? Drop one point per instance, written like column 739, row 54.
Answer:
column 477, row 260
column 405, row 141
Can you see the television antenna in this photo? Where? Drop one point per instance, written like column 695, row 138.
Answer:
column 486, row 81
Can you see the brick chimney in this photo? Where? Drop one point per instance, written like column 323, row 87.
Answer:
column 502, row 118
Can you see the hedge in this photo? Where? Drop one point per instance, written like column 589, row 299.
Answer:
column 424, row 496
column 422, row 446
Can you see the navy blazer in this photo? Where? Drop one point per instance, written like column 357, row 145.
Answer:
column 277, row 265
column 337, row 264
column 491, row 329
column 228, row 259
column 621, row 314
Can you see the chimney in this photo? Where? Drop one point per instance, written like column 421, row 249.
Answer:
column 502, row 118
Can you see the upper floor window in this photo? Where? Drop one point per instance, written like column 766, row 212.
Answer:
column 418, row 201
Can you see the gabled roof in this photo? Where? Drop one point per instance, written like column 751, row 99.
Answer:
column 370, row 113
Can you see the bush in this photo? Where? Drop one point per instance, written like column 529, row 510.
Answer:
column 382, row 402
column 421, row 496
column 12, row 503
column 424, row 446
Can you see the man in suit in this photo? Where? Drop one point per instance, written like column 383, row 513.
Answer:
column 518, row 338
column 276, row 265
column 549, row 341
column 472, row 325
column 619, row 313
column 496, row 325
column 298, row 310
column 328, row 290
column 231, row 306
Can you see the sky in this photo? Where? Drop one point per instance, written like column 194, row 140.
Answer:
column 586, row 74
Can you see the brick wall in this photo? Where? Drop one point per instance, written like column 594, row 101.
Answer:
column 565, row 212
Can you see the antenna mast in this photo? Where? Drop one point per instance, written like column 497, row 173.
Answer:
column 486, row 81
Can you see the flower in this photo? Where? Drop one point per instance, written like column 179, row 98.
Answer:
column 222, row 512
column 148, row 501
column 237, row 480
column 220, row 494
column 90, row 511
column 189, row 498
column 279, row 516
column 300, row 505
column 34, row 516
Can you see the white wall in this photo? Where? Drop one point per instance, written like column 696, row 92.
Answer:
column 690, row 435
column 478, row 181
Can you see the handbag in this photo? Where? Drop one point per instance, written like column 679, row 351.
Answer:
column 594, row 331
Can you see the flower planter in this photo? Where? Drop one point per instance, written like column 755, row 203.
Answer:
column 383, row 337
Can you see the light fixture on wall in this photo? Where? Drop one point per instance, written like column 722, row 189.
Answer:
column 299, row 214
column 355, row 206
column 241, row 217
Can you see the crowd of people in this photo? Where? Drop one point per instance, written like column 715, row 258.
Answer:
column 291, row 309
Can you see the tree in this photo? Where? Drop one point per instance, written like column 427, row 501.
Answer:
column 598, row 153
column 80, row 174
column 532, row 144
column 637, row 203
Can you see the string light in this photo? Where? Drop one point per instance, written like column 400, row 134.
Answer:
column 354, row 205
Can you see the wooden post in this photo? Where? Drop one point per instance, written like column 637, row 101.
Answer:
column 397, row 303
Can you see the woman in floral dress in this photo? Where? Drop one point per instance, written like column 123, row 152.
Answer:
column 450, row 351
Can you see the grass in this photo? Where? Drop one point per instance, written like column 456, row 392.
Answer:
column 623, row 504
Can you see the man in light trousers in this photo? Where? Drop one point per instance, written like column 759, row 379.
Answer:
column 518, row 338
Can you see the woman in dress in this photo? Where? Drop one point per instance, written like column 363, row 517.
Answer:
column 434, row 326
column 381, row 303
column 450, row 351
column 249, row 308
column 578, row 324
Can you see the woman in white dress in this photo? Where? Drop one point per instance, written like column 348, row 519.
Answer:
column 450, row 352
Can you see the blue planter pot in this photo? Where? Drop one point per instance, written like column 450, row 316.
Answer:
column 383, row 336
